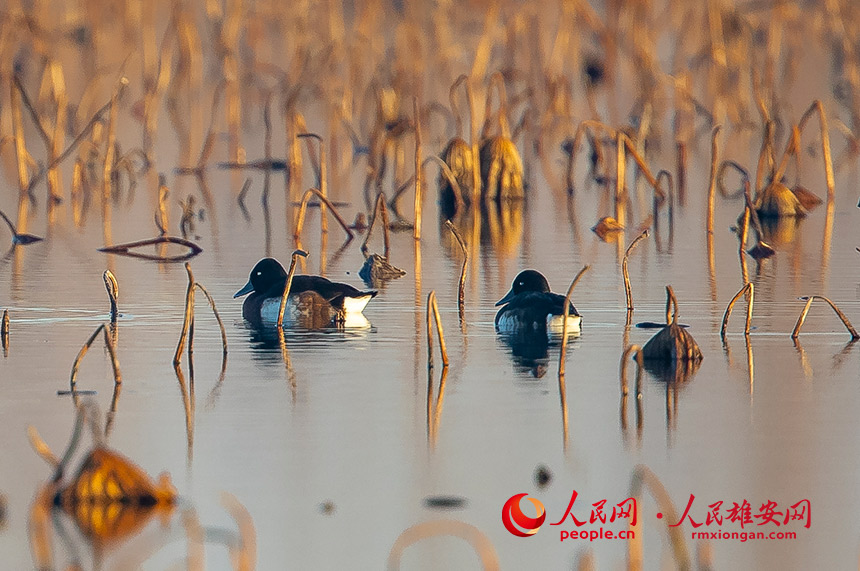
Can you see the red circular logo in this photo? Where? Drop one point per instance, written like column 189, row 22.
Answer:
column 519, row 523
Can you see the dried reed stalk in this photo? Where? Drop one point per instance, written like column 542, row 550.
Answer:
column 293, row 259
column 628, row 293
column 377, row 208
column 565, row 314
column 432, row 305
column 416, row 229
column 802, row 317
column 117, row 375
column 300, row 217
column 461, row 293
column 747, row 288
column 712, row 182
column 112, row 288
column 187, row 320
column 476, row 539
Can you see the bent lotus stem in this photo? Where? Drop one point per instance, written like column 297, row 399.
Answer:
column 377, row 208
column 189, row 317
column 842, row 317
column 443, row 351
column 625, row 356
column 461, row 292
column 300, row 219
column 117, row 375
column 748, row 287
column 713, row 178
column 628, row 293
column 323, row 182
column 565, row 313
column 293, row 259
column 125, row 249
column 217, row 316
column 643, row 477
column 476, row 539
column 112, row 288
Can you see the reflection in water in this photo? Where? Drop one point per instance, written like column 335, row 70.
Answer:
column 500, row 226
column 530, row 353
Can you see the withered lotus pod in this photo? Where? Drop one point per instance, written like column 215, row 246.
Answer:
column 501, row 169
column 673, row 343
column 607, row 227
column 777, row 201
column 807, row 199
column 377, row 269
column 458, row 156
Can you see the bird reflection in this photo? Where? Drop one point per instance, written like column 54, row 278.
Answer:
column 530, row 353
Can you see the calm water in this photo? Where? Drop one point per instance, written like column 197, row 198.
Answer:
column 346, row 423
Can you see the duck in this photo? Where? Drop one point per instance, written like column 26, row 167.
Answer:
column 319, row 300
column 530, row 307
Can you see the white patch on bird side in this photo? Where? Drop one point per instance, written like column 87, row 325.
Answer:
column 555, row 324
column 271, row 307
column 356, row 304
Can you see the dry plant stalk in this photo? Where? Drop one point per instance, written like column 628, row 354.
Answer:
column 416, row 229
column 379, row 206
column 712, row 183
column 117, row 375
column 479, row 542
column 643, row 477
column 4, row 330
column 565, row 314
column 324, row 201
column 461, row 292
column 125, row 249
column 747, row 288
column 816, row 106
column 628, row 293
column 110, row 149
column 189, row 317
column 112, row 288
column 217, row 316
column 293, row 259
column 802, row 317
column 432, row 305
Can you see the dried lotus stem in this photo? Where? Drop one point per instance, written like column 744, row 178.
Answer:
column 416, row 230
column 217, row 316
column 461, row 293
column 245, row 554
column 748, row 287
column 117, row 376
column 112, row 288
column 4, row 330
column 713, row 179
column 643, row 477
column 300, row 219
column 432, row 305
column 189, row 316
column 565, row 314
column 802, row 317
column 293, row 259
column 377, row 208
column 628, row 293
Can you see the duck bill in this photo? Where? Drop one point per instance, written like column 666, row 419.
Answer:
column 248, row 288
column 508, row 297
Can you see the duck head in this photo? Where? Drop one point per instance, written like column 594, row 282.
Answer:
column 267, row 274
column 526, row 280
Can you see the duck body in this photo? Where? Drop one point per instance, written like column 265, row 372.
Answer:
column 531, row 309
column 314, row 300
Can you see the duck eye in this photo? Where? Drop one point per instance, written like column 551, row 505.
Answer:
column 259, row 273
